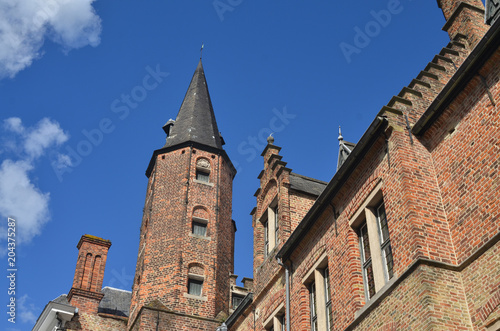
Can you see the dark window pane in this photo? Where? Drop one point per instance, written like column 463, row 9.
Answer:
column 382, row 218
column 326, row 277
column 236, row 301
column 202, row 176
column 370, row 281
column 199, row 229
column 312, row 300
column 194, row 286
column 266, row 239
column 365, row 243
column 388, row 260
column 328, row 299
column 276, row 225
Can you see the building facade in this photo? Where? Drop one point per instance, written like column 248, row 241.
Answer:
column 406, row 234
column 404, row 237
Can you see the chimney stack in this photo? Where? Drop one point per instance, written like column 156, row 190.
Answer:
column 89, row 274
column 464, row 18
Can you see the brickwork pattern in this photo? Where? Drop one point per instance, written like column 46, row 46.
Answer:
column 441, row 197
column 169, row 252
column 85, row 293
column 92, row 322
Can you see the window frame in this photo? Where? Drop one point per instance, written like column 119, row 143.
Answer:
column 275, row 210
column 328, row 299
column 197, row 281
column 270, row 223
column 317, row 281
column 202, row 176
column 276, row 320
column 240, row 297
column 200, row 223
column 313, row 306
column 385, row 243
column 266, row 238
column 368, row 215
column 366, row 263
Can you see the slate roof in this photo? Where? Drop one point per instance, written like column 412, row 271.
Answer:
column 306, row 184
column 61, row 299
column 196, row 120
column 115, row 301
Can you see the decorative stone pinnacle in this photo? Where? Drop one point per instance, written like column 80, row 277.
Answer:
column 270, row 139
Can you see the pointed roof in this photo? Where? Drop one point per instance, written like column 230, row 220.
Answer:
column 196, row 120
column 345, row 149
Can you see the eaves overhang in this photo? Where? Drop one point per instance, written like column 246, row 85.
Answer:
column 194, row 144
column 367, row 140
column 457, row 83
column 51, row 313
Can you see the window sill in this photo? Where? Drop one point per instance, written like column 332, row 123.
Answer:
column 204, row 183
column 376, row 298
column 196, row 297
column 200, row 236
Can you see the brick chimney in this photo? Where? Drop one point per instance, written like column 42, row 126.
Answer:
column 464, row 18
column 89, row 274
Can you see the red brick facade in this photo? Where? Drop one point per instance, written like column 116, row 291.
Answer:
column 170, row 254
column 438, row 181
column 404, row 237
column 89, row 273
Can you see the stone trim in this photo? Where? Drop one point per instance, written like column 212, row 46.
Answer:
column 395, row 281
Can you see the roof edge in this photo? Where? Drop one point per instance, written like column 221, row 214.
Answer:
column 364, row 144
column 239, row 310
column 472, row 64
column 207, row 148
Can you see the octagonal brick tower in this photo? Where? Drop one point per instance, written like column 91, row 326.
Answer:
column 186, row 247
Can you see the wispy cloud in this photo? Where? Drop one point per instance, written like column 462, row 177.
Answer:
column 20, row 198
column 27, row 310
column 24, row 25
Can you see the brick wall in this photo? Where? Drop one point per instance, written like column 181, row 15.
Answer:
column 169, row 252
column 85, row 293
column 440, row 192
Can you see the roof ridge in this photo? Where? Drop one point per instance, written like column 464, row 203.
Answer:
column 308, row 178
column 114, row 288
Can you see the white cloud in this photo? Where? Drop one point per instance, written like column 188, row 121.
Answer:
column 24, row 25
column 14, row 124
column 20, row 198
column 45, row 134
column 26, row 310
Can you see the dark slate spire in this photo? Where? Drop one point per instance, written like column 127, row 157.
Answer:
column 196, row 120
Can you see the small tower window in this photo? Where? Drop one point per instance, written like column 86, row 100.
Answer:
column 199, row 228
column 202, row 176
column 203, row 170
column 195, row 286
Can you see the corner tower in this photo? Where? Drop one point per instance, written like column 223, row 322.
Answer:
column 187, row 234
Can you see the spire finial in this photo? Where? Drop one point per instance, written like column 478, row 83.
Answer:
column 340, row 135
column 201, row 50
column 270, row 139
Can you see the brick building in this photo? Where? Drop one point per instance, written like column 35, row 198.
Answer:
column 404, row 237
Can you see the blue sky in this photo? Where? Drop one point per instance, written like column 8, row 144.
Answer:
column 71, row 163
